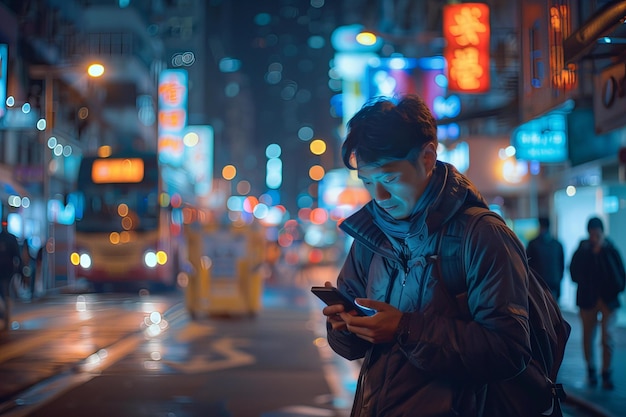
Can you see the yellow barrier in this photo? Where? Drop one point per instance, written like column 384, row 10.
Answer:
column 226, row 277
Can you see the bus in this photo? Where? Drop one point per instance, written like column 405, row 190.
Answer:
column 125, row 229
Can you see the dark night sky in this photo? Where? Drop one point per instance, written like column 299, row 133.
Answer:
column 300, row 98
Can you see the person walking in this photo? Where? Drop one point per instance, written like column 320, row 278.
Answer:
column 27, row 271
column 546, row 256
column 598, row 269
column 9, row 264
column 422, row 356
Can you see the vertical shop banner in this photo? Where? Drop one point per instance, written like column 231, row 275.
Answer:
column 199, row 157
column 467, row 34
column 172, row 118
column 3, row 79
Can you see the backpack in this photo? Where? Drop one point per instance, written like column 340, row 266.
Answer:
column 549, row 331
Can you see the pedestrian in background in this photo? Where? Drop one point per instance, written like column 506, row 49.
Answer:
column 9, row 265
column 598, row 269
column 28, row 269
column 546, row 257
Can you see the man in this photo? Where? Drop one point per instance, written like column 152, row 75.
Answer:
column 9, row 262
column 598, row 269
column 422, row 355
column 546, row 257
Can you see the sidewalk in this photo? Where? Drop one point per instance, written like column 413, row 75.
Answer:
column 573, row 374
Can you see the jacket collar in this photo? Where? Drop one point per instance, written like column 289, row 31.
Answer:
column 454, row 191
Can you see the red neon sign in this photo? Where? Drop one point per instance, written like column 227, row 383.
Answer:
column 466, row 31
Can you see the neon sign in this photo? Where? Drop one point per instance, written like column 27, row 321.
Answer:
column 466, row 31
column 543, row 139
column 172, row 115
column 3, row 78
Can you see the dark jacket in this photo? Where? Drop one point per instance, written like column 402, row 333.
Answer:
column 598, row 275
column 546, row 257
column 9, row 255
column 441, row 363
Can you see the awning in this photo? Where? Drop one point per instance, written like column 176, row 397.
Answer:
column 9, row 187
column 602, row 36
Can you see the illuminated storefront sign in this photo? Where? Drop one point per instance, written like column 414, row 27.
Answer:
column 391, row 77
column 562, row 77
column 467, row 32
column 446, row 107
column 458, row 155
column 547, row 80
column 352, row 68
column 396, row 77
column 172, row 115
column 199, row 157
column 543, row 139
column 351, row 60
column 16, row 118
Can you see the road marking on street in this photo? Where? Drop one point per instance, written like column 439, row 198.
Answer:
column 193, row 331
column 40, row 337
column 226, row 347
column 102, row 359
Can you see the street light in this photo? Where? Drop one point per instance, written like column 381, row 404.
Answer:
column 95, row 70
column 76, row 76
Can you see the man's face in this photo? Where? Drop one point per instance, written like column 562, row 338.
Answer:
column 596, row 237
column 396, row 186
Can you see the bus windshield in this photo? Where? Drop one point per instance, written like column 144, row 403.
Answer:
column 116, row 208
column 117, row 205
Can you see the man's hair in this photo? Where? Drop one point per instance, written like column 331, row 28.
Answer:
column 383, row 131
column 544, row 222
column 595, row 223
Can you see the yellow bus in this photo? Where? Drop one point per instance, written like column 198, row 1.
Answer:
column 127, row 230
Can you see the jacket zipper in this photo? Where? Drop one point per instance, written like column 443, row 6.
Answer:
column 404, row 257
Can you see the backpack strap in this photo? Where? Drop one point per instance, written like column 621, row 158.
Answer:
column 451, row 243
column 450, row 259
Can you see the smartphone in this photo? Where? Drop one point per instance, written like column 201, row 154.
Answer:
column 331, row 296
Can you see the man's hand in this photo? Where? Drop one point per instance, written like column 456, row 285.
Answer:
column 379, row 328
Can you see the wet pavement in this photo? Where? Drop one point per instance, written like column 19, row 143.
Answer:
column 581, row 401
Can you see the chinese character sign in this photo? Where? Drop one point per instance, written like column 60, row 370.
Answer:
column 172, row 115
column 466, row 31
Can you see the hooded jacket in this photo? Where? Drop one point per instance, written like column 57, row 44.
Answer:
column 599, row 276
column 442, row 358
